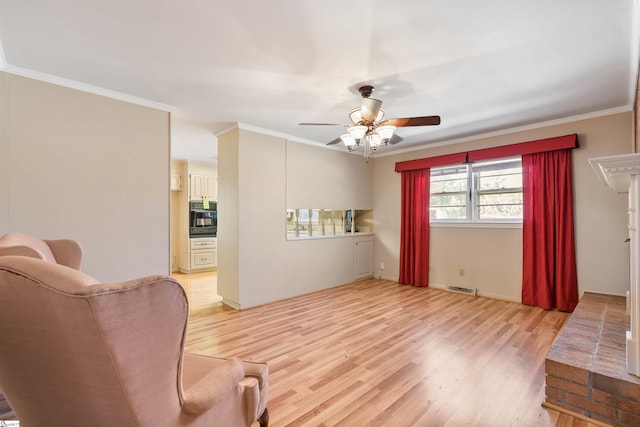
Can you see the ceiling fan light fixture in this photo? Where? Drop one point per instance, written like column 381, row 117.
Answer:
column 374, row 140
column 348, row 141
column 357, row 131
column 385, row 132
column 356, row 115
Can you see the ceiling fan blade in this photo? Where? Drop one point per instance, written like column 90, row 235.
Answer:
column 335, row 141
column 370, row 108
column 395, row 139
column 325, row 124
column 413, row 121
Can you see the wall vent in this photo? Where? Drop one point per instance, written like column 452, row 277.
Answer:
column 461, row 290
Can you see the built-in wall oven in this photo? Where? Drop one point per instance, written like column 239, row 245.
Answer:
column 203, row 219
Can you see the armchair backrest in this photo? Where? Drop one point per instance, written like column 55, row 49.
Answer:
column 63, row 251
column 86, row 353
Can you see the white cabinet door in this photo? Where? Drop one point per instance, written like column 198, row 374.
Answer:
column 203, row 253
column 203, row 259
column 196, row 186
column 211, row 187
column 176, row 182
column 203, row 185
column 364, row 259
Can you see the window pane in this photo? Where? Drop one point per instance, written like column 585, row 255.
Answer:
column 316, row 224
column 339, row 218
column 291, row 223
column 454, row 199
column 327, row 222
column 448, row 189
column 511, row 212
column 447, row 212
column 449, row 183
column 303, row 222
column 500, row 206
column 495, row 180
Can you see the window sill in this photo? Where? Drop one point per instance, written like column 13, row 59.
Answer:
column 332, row 236
column 476, row 225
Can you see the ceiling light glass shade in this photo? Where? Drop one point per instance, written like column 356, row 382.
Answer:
column 348, row 140
column 374, row 139
column 356, row 115
column 385, row 132
column 357, row 132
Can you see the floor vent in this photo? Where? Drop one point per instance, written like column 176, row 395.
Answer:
column 461, row 290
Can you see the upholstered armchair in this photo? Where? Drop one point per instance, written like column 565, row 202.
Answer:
column 64, row 251
column 76, row 352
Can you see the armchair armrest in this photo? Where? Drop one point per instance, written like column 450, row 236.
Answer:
column 67, row 252
column 218, row 383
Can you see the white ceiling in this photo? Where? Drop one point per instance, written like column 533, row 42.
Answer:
column 483, row 66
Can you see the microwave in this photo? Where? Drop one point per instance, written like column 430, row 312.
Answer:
column 203, row 222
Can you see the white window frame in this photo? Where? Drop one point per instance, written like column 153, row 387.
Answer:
column 472, row 197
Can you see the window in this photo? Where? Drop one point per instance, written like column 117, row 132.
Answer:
column 477, row 192
column 320, row 223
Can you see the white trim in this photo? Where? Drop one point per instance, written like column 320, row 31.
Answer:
column 231, row 304
column 614, row 171
column 635, row 51
column 480, row 294
column 263, row 131
column 426, row 145
column 36, row 75
column 475, row 224
column 3, row 61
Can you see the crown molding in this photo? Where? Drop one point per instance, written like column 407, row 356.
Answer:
column 263, row 131
column 564, row 120
column 635, row 51
column 614, row 171
column 81, row 86
column 3, row 61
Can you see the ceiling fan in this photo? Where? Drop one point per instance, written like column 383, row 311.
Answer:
column 368, row 130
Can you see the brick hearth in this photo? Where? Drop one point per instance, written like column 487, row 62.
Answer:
column 585, row 367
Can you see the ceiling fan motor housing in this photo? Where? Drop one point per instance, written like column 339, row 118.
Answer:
column 366, row 91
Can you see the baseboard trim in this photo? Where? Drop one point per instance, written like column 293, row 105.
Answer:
column 565, row 411
column 231, row 304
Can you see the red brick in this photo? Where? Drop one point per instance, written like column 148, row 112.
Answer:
column 629, row 418
column 591, row 406
column 562, row 384
column 569, row 373
column 608, row 421
column 617, row 387
column 615, row 401
column 554, row 394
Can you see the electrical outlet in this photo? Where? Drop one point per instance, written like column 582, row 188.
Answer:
column 381, row 265
column 430, row 269
column 461, row 272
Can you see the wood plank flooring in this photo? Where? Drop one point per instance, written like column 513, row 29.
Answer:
column 375, row 353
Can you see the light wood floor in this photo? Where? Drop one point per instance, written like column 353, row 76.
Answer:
column 375, row 353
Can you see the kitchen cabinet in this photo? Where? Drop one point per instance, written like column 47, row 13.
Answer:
column 176, row 182
column 364, row 258
column 202, row 253
column 203, row 185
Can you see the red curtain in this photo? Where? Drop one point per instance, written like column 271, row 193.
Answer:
column 414, row 228
column 549, row 277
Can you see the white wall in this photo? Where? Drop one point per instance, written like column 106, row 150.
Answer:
column 260, row 176
column 82, row 166
column 492, row 258
column 326, row 179
column 228, row 217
